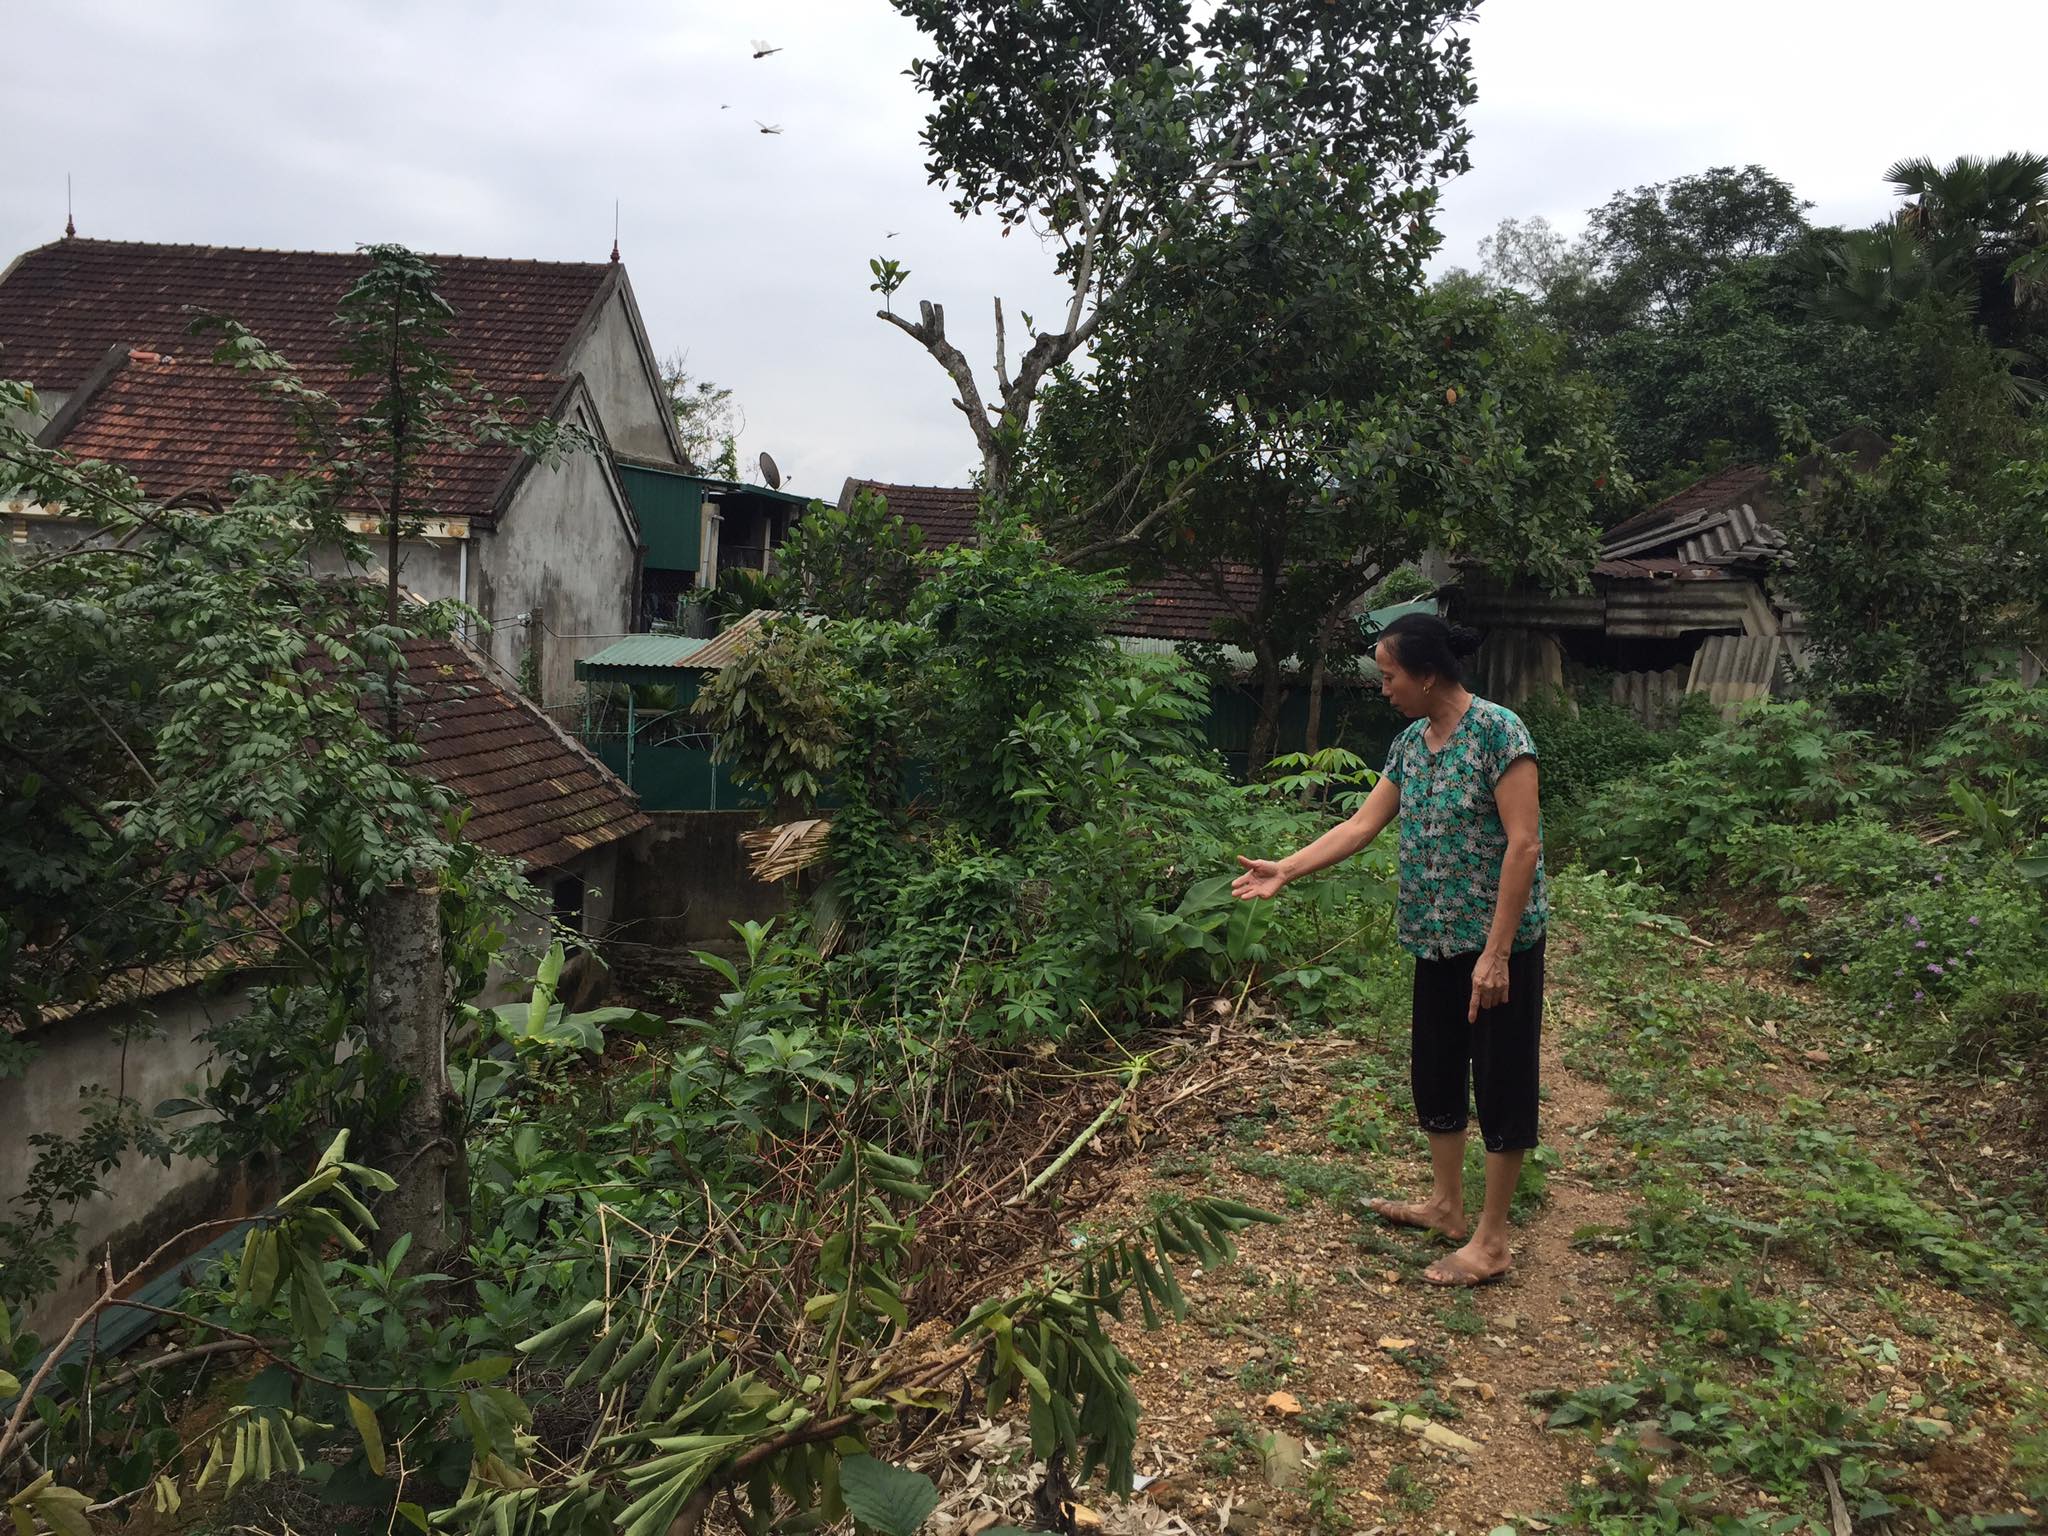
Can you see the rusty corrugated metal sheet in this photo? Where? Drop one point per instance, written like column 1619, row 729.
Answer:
column 1666, row 611
column 1733, row 669
column 1736, row 535
column 1652, row 697
column 731, row 643
column 1514, row 665
column 1725, row 488
column 1657, row 568
column 1488, row 608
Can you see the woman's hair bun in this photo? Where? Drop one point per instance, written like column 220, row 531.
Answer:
column 1464, row 639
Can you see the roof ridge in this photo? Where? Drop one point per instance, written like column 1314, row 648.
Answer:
column 72, row 242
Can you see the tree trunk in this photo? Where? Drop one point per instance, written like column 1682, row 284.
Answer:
column 1272, row 690
column 408, row 1031
column 1312, row 731
column 1312, row 735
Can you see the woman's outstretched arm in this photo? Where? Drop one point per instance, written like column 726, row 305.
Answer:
column 1268, row 877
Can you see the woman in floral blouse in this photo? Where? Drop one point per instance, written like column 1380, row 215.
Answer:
column 1462, row 781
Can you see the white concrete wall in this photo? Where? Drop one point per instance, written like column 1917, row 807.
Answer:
column 616, row 373
column 566, row 545
column 154, row 1051
column 148, row 1053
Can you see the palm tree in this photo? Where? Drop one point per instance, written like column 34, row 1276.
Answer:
column 1973, row 231
column 1983, row 202
column 1977, row 220
column 1870, row 276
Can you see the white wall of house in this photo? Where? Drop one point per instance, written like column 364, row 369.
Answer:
column 569, row 546
column 146, row 1052
column 617, row 373
column 153, row 1051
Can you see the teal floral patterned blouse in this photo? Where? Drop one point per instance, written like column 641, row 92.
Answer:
column 1452, row 841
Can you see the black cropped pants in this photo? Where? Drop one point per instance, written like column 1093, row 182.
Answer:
column 1498, row 1055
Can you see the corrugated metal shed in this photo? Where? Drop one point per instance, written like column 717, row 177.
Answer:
column 1518, row 664
column 1641, row 611
column 1650, row 696
column 1733, row 669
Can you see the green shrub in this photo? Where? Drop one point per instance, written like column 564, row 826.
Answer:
column 1777, row 762
column 1601, row 742
column 1850, row 857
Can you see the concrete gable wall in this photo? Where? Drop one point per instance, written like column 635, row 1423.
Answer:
column 616, row 372
column 567, row 546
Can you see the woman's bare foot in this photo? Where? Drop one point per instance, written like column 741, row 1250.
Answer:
column 1421, row 1213
column 1477, row 1263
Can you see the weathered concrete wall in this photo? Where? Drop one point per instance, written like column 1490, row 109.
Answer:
column 48, row 403
column 153, row 1052
column 616, row 373
column 566, row 545
column 148, row 1053
column 526, row 937
column 429, row 569
column 685, row 881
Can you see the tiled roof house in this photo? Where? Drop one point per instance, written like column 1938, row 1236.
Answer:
column 548, row 554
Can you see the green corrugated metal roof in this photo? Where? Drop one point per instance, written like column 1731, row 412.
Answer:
column 670, row 506
column 1380, row 618
column 642, row 651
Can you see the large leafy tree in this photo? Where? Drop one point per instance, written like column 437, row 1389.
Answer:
column 1096, row 125
column 1288, row 399
column 1746, row 361
column 708, row 419
column 1648, row 252
column 1692, row 301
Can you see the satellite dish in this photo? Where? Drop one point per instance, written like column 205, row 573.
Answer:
column 769, row 472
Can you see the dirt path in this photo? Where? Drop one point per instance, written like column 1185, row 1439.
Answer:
column 1320, row 1308
column 1329, row 1311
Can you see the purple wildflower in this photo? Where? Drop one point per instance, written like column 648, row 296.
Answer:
column 1919, row 943
column 1976, row 922
column 1919, row 997
column 1912, row 921
column 1939, row 878
column 1935, row 970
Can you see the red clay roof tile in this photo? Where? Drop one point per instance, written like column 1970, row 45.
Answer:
column 64, row 304
column 1171, row 606
column 174, row 423
column 534, row 793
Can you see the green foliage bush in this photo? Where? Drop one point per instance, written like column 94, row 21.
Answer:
column 1907, row 894
column 1778, row 762
column 1587, row 748
column 1029, row 834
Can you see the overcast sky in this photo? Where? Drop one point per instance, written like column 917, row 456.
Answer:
column 509, row 129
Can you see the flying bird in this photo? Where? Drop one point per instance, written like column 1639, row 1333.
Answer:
column 762, row 50
column 767, row 128
column 891, row 234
